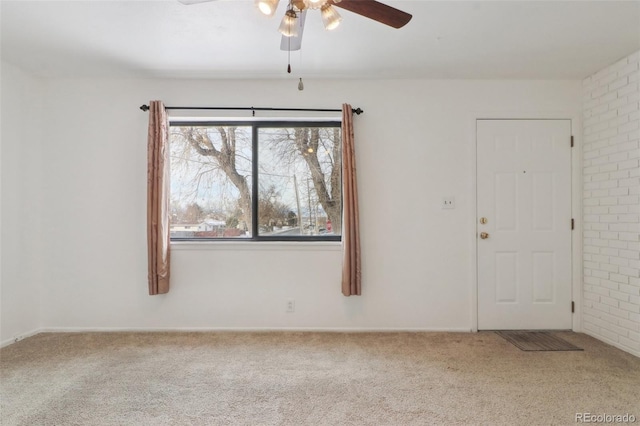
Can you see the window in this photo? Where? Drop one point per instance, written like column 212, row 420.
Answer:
column 256, row 180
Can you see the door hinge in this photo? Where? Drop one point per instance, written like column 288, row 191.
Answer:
column 573, row 306
column 571, row 141
column 573, row 224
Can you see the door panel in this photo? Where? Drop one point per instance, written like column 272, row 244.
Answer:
column 524, row 191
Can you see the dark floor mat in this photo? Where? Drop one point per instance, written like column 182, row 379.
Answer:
column 536, row 341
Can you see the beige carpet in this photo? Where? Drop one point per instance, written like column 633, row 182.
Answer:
column 309, row 379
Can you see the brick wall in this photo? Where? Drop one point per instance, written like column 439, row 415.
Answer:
column 611, row 206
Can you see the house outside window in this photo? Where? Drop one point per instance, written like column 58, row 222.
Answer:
column 258, row 180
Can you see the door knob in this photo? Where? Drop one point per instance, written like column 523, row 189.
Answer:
column 484, row 235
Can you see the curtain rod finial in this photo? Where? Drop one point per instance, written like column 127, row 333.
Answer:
column 358, row 111
column 145, row 108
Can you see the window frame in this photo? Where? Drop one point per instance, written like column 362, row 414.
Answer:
column 256, row 125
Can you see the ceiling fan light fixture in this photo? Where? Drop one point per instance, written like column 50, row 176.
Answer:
column 289, row 24
column 314, row 4
column 330, row 17
column 268, row 7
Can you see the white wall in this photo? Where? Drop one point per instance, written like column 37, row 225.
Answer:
column 612, row 204
column 20, row 212
column 415, row 144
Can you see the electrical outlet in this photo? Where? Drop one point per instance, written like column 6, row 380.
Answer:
column 291, row 305
column 448, row 203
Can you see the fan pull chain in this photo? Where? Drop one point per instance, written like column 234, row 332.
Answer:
column 300, row 83
column 289, row 55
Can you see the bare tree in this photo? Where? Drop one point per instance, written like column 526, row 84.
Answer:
column 271, row 211
column 222, row 158
column 193, row 213
column 321, row 150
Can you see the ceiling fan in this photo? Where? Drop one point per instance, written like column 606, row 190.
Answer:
column 292, row 25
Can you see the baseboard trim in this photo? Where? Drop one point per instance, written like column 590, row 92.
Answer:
column 253, row 329
column 20, row 336
column 612, row 343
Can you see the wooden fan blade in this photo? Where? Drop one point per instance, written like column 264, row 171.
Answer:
column 377, row 11
column 294, row 43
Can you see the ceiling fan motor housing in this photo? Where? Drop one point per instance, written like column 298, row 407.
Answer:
column 312, row 4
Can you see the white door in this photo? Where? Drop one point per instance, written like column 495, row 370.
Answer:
column 524, row 193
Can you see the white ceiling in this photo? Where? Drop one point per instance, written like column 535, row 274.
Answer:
column 231, row 39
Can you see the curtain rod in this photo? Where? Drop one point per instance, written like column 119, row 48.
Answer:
column 356, row 111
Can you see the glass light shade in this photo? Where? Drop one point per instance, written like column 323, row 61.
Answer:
column 289, row 24
column 268, row 7
column 330, row 17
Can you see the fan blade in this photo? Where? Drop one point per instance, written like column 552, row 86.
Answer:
column 377, row 11
column 190, row 2
column 294, row 43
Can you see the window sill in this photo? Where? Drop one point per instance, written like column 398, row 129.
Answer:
column 257, row 245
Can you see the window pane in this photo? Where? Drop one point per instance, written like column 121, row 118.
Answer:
column 210, row 182
column 300, row 191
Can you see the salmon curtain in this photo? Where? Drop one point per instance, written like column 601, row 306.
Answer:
column 351, row 268
column 158, row 199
